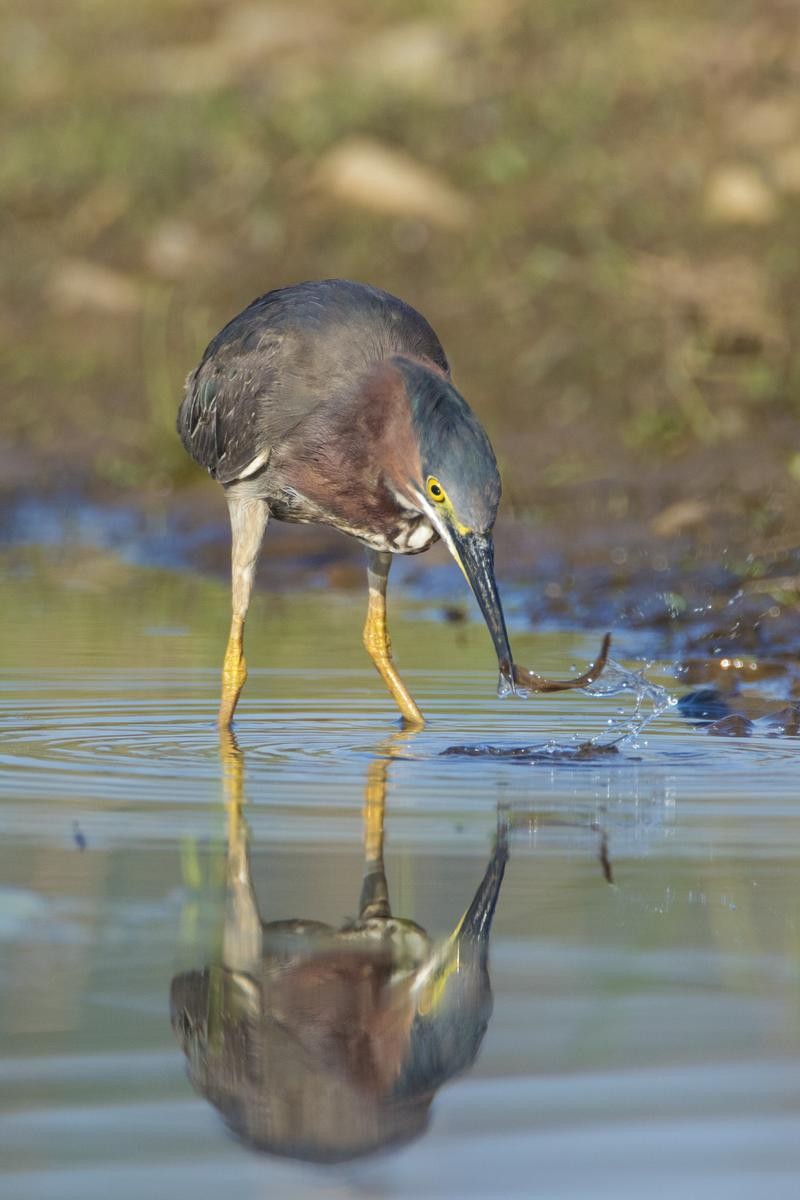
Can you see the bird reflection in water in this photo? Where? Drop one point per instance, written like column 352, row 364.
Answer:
column 327, row 1044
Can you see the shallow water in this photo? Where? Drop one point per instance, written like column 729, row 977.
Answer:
column 645, row 1034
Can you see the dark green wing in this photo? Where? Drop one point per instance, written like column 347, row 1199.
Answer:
column 288, row 352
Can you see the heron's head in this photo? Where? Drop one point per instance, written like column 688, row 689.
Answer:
column 457, row 485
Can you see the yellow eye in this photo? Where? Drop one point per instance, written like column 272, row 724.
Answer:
column 436, row 491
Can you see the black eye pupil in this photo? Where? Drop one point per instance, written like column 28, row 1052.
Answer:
column 437, row 491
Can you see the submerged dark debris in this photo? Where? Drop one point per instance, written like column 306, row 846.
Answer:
column 549, row 753
column 734, row 725
column 735, row 715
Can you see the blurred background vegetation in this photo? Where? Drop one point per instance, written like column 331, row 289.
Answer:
column 595, row 202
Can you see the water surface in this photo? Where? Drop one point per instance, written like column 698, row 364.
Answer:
column 645, row 1032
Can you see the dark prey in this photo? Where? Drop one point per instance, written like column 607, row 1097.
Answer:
column 332, row 402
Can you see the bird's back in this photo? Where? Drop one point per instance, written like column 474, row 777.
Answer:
column 286, row 353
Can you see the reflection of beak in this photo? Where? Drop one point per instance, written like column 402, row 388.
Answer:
column 474, row 553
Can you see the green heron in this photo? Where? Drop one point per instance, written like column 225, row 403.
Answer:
column 332, row 402
column 325, row 1043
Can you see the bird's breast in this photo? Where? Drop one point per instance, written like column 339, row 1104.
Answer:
column 404, row 535
column 387, row 524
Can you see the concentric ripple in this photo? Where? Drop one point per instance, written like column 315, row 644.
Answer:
column 145, row 741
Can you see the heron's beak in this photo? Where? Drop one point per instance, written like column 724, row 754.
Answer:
column 474, row 553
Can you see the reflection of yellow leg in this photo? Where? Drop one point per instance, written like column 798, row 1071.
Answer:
column 232, row 761
column 374, row 900
column 376, row 638
column 232, row 779
column 241, row 942
column 374, row 807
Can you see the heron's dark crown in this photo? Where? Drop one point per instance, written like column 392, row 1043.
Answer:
column 453, row 445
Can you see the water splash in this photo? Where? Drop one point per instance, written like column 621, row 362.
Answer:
column 650, row 700
column 621, row 733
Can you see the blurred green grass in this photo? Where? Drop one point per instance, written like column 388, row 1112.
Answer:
column 596, row 204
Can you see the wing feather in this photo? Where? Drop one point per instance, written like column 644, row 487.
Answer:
column 289, row 351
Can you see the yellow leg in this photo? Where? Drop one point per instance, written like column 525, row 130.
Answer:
column 376, row 639
column 234, row 673
column 248, row 522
